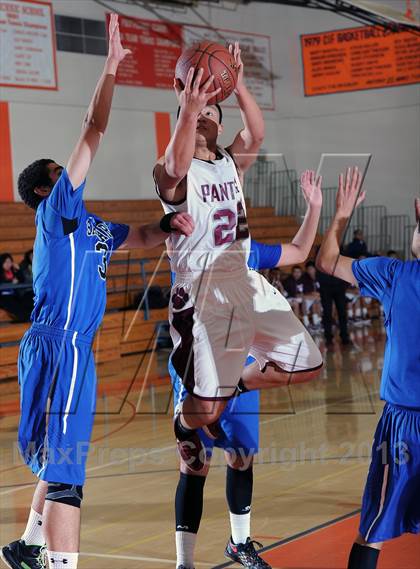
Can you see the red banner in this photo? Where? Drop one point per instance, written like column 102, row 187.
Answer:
column 155, row 48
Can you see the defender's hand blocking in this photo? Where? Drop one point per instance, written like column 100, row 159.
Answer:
column 236, row 51
column 116, row 52
column 349, row 196
column 194, row 98
column 182, row 224
column 311, row 188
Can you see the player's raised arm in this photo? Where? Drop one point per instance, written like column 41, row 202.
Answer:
column 153, row 234
column 248, row 141
column 173, row 167
column 96, row 119
column 298, row 250
column 349, row 197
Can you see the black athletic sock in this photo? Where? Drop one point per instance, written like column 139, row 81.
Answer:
column 363, row 557
column 182, row 433
column 239, row 484
column 189, row 502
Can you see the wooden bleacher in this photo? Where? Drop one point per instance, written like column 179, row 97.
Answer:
column 124, row 282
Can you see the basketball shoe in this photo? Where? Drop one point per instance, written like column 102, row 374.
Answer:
column 18, row 555
column 245, row 554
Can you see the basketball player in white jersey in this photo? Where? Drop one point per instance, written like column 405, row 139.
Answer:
column 220, row 311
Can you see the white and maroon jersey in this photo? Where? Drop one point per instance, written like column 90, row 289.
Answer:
column 215, row 201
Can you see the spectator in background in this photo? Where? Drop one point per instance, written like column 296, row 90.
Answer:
column 311, row 307
column 12, row 300
column 333, row 290
column 357, row 248
column 26, row 267
column 293, row 287
column 9, row 270
column 274, row 278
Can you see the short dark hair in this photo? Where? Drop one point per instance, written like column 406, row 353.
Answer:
column 218, row 107
column 309, row 264
column 33, row 176
column 296, row 267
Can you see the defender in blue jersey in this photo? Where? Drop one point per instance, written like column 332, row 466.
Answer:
column 391, row 504
column 239, row 422
column 56, row 366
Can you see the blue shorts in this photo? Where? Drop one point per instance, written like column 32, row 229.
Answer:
column 58, row 399
column 239, row 421
column 391, row 504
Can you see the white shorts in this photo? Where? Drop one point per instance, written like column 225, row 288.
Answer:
column 218, row 320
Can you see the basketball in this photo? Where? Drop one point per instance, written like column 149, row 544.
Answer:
column 216, row 60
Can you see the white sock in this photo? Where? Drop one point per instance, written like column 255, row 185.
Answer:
column 358, row 313
column 185, row 545
column 59, row 560
column 305, row 320
column 364, row 311
column 33, row 534
column 350, row 313
column 240, row 527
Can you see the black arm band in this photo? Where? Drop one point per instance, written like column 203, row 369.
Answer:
column 165, row 222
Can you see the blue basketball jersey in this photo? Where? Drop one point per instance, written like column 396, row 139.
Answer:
column 71, row 255
column 396, row 284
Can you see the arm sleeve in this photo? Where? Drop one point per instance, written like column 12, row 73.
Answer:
column 375, row 275
column 264, row 256
column 119, row 233
column 63, row 207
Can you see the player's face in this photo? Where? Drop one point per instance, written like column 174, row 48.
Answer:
column 311, row 272
column 7, row 264
column 54, row 172
column 208, row 123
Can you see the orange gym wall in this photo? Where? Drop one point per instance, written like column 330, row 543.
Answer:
column 6, row 170
column 163, row 132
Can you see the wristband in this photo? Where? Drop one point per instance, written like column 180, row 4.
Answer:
column 165, row 222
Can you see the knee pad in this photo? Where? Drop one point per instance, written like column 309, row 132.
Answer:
column 69, row 494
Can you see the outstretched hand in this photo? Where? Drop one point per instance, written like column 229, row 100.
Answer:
column 311, row 188
column 235, row 50
column 116, row 52
column 182, row 224
column 193, row 98
column 349, row 195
